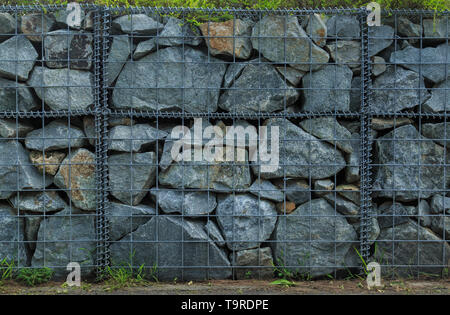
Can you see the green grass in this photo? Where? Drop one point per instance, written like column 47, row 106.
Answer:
column 34, row 276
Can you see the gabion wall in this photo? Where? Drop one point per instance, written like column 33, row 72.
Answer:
column 88, row 120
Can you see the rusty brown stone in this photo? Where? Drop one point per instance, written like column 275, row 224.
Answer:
column 51, row 161
column 290, row 206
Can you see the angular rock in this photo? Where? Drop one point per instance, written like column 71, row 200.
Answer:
column 61, row 45
column 64, row 89
column 180, row 242
column 130, row 175
column 144, row 48
column 355, row 95
column 344, row 206
column 292, row 75
column 440, row 98
column 407, row 28
column 214, row 233
column 323, row 186
column 440, row 204
column 41, row 202
column 424, row 213
column 119, row 52
column 154, row 82
column 260, row 260
column 230, row 38
column 245, row 221
column 374, row 230
column 195, row 203
column 427, row 61
column 77, row 176
column 313, row 235
column 89, row 129
column 17, row 58
column 381, row 37
column 317, row 30
column 378, row 65
column 16, row 170
column 441, row 226
column 436, row 28
column 12, row 247
column 391, row 214
column 439, row 133
column 397, row 89
column 389, row 123
column 56, row 135
column 303, row 156
column 346, row 52
column 133, row 138
column 352, row 173
column 50, row 161
column 11, row 128
column 35, row 26
column 402, row 162
column 7, row 24
column 176, row 33
column 296, row 190
column 285, row 207
column 281, row 39
column 16, row 97
column 350, row 192
column 266, row 190
column 233, row 72
column 328, row 129
column 258, row 88
column 325, row 94
column 343, row 26
column 140, row 24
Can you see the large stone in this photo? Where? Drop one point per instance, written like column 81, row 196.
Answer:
column 427, row 61
column 188, row 203
column 396, row 90
column 140, row 24
column 230, row 38
column 68, row 49
column 176, row 246
column 214, row 233
column 378, row 65
column 48, row 163
column 440, row 98
column 439, row 133
column 8, row 24
column 63, row 89
column 12, row 247
column 441, row 226
column 258, row 88
column 343, row 26
column 436, row 29
column 328, row 129
column 125, row 219
column 17, row 58
column 328, row 89
column 176, row 33
column 411, row 164
column 144, row 48
column 314, row 237
column 381, row 37
column 130, row 175
column 414, row 248
column 266, row 190
column 323, row 186
column 40, row 202
column 317, row 30
column 391, row 214
column 35, row 26
column 350, row 192
column 281, row 39
column 407, row 28
column 16, row 97
column 302, row 156
column 245, row 220
column 440, row 204
column 296, row 190
column 346, row 52
column 253, row 263
column 76, row 176
column 119, row 52
column 56, row 135
column 68, row 236
column 344, row 206
column 11, row 128
column 17, row 171
column 134, row 138
column 292, row 75
column 171, row 78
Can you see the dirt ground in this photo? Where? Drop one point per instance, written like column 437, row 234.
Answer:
column 241, row 287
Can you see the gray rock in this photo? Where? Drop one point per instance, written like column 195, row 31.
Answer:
column 35, row 26
column 378, row 65
column 352, row 173
column 253, row 263
column 56, row 135
column 436, row 28
column 40, row 202
column 69, row 237
column 373, row 233
column 144, row 48
column 233, row 72
column 402, row 163
column 10, row 128
column 8, row 25
column 381, row 37
column 77, row 176
column 440, row 98
column 17, row 58
column 64, row 89
column 176, row 33
column 245, row 221
column 119, row 52
column 427, row 61
column 328, row 129
column 389, row 123
column 130, row 175
column 136, row 84
column 133, row 138
column 266, row 190
column 15, row 97
column 391, row 214
column 416, row 248
column 317, row 30
column 344, row 206
column 281, row 39
column 166, row 242
column 350, row 192
column 214, row 233
column 125, row 219
column 424, row 213
column 61, row 45
column 355, row 95
column 328, row 89
column 332, row 238
column 346, row 52
column 292, row 75
column 89, row 129
column 441, row 226
column 407, row 28
column 439, row 133
column 323, row 186
column 440, row 204
column 296, row 190
column 195, row 203
column 12, row 247
column 258, row 88
column 303, row 156
column 397, row 89
column 16, row 170
column 140, row 24
column 343, row 26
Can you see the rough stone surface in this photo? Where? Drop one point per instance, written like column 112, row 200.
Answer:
column 346, row 52
column 296, row 190
column 389, row 123
column 119, row 52
column 195, row 250
column 212, row 230
column 15, row 96
column 317, row 30
column 436, row 28
column 77, row 175
column 352, row 173
column 35, row 26
column 441, row 226
column 378, row 65
column 391, row 214
column 292, row 75
column 313, row 235
column 407, row 28
column 381, row 37
column 56, row 135
column 41, row 202
column 10, row 128
column 323, row 186
column 7, row 24
column 260, row 257
column 89, row 129
column 64, row 89
column 440, row 204
column 136, row 84
column 424, row 214
column 245, row 221
column 344, row 206
column 350, row 192
column 258, row 88
column 266, row 190
column 230, row 38
column 131, row 175
column 175, row 33
column 12, row 247
column 17, row 58
column 140, row 24
column 323, row 94
column 281, row 39
column 343, row 26
column 133, row 138
column 355, row 95
column 440, row 98
column 50, row 161
column 437, row 132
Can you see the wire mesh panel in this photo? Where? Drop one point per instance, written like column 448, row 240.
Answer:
column 233, row 145
column 408, row 104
